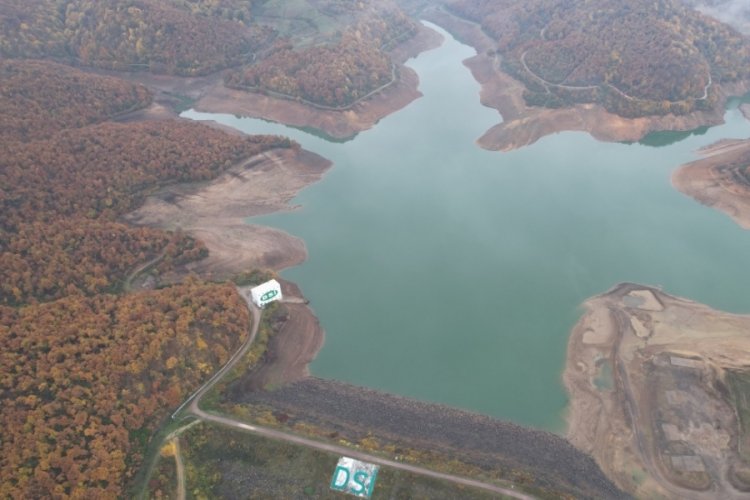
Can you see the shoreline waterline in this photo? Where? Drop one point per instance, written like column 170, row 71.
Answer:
column 414, row 215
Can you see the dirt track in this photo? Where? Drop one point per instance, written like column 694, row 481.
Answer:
column 290, row 350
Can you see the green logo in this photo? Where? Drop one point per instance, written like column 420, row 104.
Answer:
column 354, row 477
column 269, row 295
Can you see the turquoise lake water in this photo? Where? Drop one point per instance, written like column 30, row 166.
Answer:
column 451, row 274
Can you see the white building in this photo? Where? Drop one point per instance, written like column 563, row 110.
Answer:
column 266, row 293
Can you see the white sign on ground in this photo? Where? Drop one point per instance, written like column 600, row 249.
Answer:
column 354, row 477
column 266, row 292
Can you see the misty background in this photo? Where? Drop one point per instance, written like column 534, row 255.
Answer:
column 735, row 13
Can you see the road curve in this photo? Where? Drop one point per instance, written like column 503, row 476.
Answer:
column 195, row 398
column 193, row 404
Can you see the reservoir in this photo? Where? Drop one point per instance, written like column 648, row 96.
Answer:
column 451, row 274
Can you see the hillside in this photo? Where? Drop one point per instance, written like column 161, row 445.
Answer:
column 86, row 375
column 338, row 70
column 38, row 98
column 61, row 198
column 658, row 394
column 86, row 380
column 175, row 37
column 635, row 58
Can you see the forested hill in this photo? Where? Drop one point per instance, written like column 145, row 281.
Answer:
column 639, row 57
column 88, row 372
column 39, row 98
column 326, row 52
column 166, row 36
column 337, row 73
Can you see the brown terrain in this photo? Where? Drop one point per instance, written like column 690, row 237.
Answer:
column 659, row 394
column 721, row 179
column 215, row 212
column 293, row 348
column 523, row 125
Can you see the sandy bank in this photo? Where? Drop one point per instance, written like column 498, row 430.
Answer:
column 214, row 212
column 717, row 180
column 523, row 125
column 338, row 124
column 647, row 378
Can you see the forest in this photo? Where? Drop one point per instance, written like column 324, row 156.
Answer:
column 104, row 170
column 198, row 37
column 89, row 371
column 85, row 380
column 179, row 37
column 38, row 98
column 61, row 198
column 334, row 74
column 636, row 58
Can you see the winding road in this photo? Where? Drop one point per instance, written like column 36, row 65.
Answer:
column 128, row 281
column 548, row 84
column 193, row 408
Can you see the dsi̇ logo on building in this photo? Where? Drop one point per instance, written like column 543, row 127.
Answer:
column 354, row 477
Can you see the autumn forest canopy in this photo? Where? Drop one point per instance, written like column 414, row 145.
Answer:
column 637, row 58
column 198, row 37
column 174, row 36
column 89, row 368
column 334, row 74
column 88, row 372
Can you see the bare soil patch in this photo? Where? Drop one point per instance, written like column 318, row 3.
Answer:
column 214, row 212
column 717, row 180
column 291, row 349
column 665, row 425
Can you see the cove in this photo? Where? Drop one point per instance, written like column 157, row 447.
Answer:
column 451, row 274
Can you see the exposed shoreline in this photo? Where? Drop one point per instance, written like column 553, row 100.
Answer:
column 717, row 181
column 215, row 212
column 523, row 125
column 644, row 372
column 337, row 124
